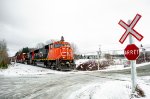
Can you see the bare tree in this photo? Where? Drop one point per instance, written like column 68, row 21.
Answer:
column 3, row 55
column 74, row 47
column 40, row 45
column 51, row 41
column 108, row 56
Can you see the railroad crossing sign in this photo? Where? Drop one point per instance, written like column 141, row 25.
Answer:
column 129, row 29
column 131, row 52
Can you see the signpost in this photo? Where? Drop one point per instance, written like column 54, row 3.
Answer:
column 131, row 51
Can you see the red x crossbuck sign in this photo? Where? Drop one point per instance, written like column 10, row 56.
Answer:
column 129, row 29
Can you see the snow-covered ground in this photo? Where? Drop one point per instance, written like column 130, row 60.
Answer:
column 108, row 90
column 23, row 69
column 19, row 69
column 111, row 89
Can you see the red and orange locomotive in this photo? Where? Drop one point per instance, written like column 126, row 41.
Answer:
column 57, row 55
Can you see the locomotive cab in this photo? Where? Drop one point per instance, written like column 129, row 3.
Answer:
column 59, row 50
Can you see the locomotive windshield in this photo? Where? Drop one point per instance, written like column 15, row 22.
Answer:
column 58, row 45
column 67, row 45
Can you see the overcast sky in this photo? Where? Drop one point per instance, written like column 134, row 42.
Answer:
column 87, row 23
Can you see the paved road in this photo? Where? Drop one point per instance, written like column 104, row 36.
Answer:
column 141, row 71
column 57, row 86
column 51, row 86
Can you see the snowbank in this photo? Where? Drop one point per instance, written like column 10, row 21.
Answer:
column 121, row 67
column 119, row 64
column 80, row 61
column 108, row 90
column 23, row 69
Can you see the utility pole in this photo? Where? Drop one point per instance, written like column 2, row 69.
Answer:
column 100, row 52
column 144, row 55
column 99, row 56
column 98, row 62
column 143, row 50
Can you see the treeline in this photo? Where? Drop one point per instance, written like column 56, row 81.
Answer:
column 23, row 50
column 4, row 60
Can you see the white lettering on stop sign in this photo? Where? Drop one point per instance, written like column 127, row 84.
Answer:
column 131, row 52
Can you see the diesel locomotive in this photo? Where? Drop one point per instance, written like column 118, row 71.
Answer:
column 57, row 55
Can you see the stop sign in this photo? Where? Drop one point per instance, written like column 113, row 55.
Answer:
column 131, row 52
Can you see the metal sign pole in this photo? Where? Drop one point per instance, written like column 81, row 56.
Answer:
column 133, row 66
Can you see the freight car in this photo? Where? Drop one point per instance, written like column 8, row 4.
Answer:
column 57, row 55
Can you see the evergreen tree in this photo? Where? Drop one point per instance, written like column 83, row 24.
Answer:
column 25, row 50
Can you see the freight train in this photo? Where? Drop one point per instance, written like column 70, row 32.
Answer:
column 57, row 55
